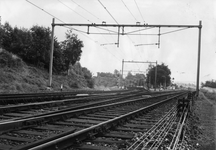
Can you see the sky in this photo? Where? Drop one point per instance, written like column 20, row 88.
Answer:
column 178, row 50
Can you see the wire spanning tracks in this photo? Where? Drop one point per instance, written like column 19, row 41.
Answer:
column 11, row 112
column 72, row 125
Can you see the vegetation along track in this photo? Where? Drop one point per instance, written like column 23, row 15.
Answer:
column 71, row 125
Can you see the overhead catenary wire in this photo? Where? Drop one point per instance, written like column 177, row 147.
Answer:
column 98, row 18
column 53, row 16
column 82, row 32
column 45, row 11
column 91, row 22
column 139, row 11
column 86, row 18
column 86, row 10
column 95, row 17
column 92, row 15
column 107, row 11
column 129, row 11
column 74, row 11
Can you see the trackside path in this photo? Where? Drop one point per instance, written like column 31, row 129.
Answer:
column 205, row 110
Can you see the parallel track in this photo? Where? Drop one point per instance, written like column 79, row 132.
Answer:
column 35, row 131
column 9, row 112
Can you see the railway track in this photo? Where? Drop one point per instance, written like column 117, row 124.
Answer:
column 38, row 130
column 14, row 111
column 6, row 99
column 8, row 112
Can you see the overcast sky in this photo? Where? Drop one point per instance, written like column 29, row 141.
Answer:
column 178, row 50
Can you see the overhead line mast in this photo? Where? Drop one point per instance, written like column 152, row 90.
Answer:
column 122, row 32
column 123, row 61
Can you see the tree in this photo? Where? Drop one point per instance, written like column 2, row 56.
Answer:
column 88, row 77
column 58, row 58
column 117, row 74
column 163, row 75
column 134, row 80
column 211, row 84
column 40, row 46
column 20, row 44
column 72, row 49
column 1, row 35
column 6, row 36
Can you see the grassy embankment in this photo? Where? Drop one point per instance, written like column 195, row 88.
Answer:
column 18, row 77
column 210, row 93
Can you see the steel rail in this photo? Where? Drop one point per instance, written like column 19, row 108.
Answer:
column 102, row 101
column 163, row 134
column 63, row 142
column 150, row 131
column 14, row 99
column 65, row 93
column 69, row 113
column 160, row 131
column 180, row 130
column 177, row 129
column 150, row 134
column 59, row 101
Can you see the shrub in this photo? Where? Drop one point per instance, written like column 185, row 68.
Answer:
column 10, row 60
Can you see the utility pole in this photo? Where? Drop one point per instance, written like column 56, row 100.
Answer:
column 155, row 76
column 198, row 58
column 51, row 54
column 122, row 71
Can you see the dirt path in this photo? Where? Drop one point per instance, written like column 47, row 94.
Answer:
column 205, row 110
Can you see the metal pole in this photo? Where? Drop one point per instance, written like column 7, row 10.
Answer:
column 198, row 59
column 122, row 70
column 118, row 37
column 159, row 38
column 155, row 76
column 51, row 53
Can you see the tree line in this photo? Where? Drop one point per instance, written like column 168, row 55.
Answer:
column 211, row 84
column 33, row 46
column 115, row 79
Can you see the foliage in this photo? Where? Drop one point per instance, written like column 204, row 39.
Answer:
column 107, row 79
column 72, row 48
column 115, row 79
column 58, row 58
column 134, row 80
column 6, row 37
column 7, row 59
column 163, row 75
column 211, row 84
column 38, row 52
column 33, row 46
column 88, row 76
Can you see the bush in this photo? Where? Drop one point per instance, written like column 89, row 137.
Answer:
column 10, row 60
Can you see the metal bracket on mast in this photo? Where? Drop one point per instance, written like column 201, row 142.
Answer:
column 159, row 38
column 118, row 36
